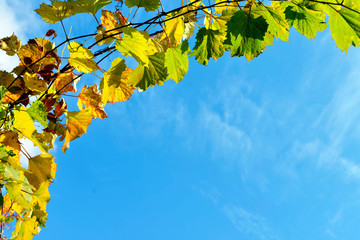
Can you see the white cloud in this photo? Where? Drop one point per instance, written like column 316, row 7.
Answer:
column 249, row 223
column 17, row 17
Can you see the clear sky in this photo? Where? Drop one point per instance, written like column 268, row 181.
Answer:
column 253, row 151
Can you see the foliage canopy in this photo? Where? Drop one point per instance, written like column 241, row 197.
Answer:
column 34, row 95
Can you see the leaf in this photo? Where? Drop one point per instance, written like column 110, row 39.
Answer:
column 114, row 85
column 16, row 90
column 135, row 45
column 111, row 21
column 275, row 18
column 174, row 28
column 149, row 5
column 246, row 35
column 345, row 27
column 90, row 6
column 66, row 82
column 42, row 194
column 11, row 141
column 3, row 91
column 57, row 11
column 25, row 229
column 42, row 168
column 10, row 45
column 177, row 61
column 80, row 58
column 209, row 44
column 33, row 82
column 147, row 76
column 303, row 19
column 91, row 97
column 37, row 111
column 23, row 122
column 77, row 123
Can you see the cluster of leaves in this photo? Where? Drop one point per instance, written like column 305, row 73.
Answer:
column 33, row 96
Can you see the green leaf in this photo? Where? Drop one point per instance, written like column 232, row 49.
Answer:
column 81, row 58
column 275, row 18
column 345, row 27
column 209, row 44
column 37, row 111
column 147, row 76
column 177, row 61
column 303, row 19
column 57, row 11
column 3, row 91
column 149, row 5
column 90, row 6
column 134, row 44
column 246, row 35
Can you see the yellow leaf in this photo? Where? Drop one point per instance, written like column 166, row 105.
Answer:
column 33, row 82
column 10, row 45
column 42, row 168
column 66, row 80
column 11, row 141
column 23, row 122
column 111, row 21
column 16, row 90
column 174, row 28
column 80, row 58
column 114, row 85
column 77, row 123
column 91, row 97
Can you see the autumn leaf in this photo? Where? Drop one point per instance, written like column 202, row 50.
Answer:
column 10, row 45
column 34, row 83
column 66, row 82
column 76, row 125
column 42, row 168
column 91, row 98
column 81, row 58
column 114, row 85
column 92, row 7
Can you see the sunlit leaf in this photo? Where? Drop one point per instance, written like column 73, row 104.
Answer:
column 10, row 45
column 177, row 61
column 42, row 168
column 37, row 111
column 76, row 125
column 91, row 98
column 114, row 85
column 149, row 5
column 57, row 11
column 81, row 58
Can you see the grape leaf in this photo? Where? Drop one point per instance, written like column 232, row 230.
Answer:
column 246, row 35
column 209, row 44
column 91, row 98
column 10, row 45
column 177, row 61
column 23, row 122
column 34, row 83
column 114, row 85
column 134, row 44
column 66, row 82
column 77, row 123
column 275, row 18
column 147, row 76
column 11, row 141
column 149, row 5
column 57, row 11
column 345, row 27
column 42, row 168
column 81, row 58
column 174, row 28
column 303, row 19
column 90, row 6
column 37, row 111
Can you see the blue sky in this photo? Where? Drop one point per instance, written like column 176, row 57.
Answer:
column 237, row 150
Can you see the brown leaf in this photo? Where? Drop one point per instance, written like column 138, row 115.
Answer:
column 91, row 98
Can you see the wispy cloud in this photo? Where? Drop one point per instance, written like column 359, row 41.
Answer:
column 249, row 223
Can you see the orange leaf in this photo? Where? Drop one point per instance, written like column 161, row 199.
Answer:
column 91, row 97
